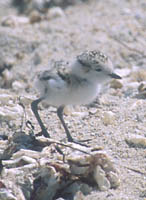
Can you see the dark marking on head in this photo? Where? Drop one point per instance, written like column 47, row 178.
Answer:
column 92, row 58
column 64, row 76
column 98, row 70
column 45, row 78
column 85, row 64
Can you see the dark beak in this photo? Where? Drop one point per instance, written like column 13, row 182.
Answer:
column 113, row 75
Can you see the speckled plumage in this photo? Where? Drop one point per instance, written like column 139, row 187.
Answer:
column 92, row 58
column 73, row 84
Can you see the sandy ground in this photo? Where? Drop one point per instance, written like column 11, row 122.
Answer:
column 118, row 28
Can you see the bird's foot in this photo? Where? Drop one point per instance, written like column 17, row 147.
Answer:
column 80, row 142
column 44, row 132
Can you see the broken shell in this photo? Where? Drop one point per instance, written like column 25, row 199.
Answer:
column 26, row 152
column 114, row 179
column 79, row 165
column 48, row 183
column 100, row 178
column 6, row 194
column 45, row 177
column 96, row 166
column 11, row 113
column 24, row 160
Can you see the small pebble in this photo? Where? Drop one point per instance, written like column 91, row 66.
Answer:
column 126, row 11
column 79, row 196
column 93, row 111
column 55, row 12
column 26, row 100
column 13, row 21
column 116, row 84
column 18, row 86
column 142, row 87
column 7, row 78
column 136, row 140
column 4, row 98
column 68, row 110
column 108, row 118
column 80, row 114
column 35, row 17
column 136, row 104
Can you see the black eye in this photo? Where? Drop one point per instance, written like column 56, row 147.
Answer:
column 98, row 70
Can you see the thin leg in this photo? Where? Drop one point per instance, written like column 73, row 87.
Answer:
column 69, row 137
column 60, row 115
column 34, row 107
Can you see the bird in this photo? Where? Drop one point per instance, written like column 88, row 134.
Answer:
column 74, row 84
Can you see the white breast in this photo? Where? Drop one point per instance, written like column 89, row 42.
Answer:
column 61, row 94
column 57, row 91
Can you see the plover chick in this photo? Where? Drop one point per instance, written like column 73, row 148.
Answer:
column 73, row 85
